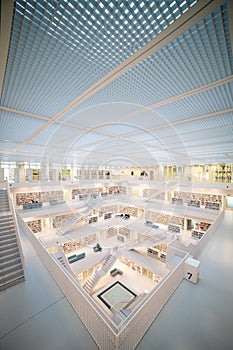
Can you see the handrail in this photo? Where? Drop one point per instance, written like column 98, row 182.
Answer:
column 12, row 210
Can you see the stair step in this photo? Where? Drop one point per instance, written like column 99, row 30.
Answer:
column 8, row 246
column 9, row 257
column 7, row 216
column 7, row 235
column 8, row 251
column 12, row 283
column 4, row 231
column 8, row 241
column 10, row 262
column 16, row 266
column 6, row 222
column 11, row 275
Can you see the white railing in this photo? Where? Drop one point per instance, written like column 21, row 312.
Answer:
column 98, row 324
column 195, row 249
column 139, row 321
column 12, row 210
column 209, row 233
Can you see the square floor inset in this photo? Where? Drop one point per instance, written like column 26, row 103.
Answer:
column 115, row 294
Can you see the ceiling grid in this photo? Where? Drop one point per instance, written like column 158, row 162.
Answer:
column 91, row 81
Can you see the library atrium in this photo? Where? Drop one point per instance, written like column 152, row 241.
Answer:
column 116, row 174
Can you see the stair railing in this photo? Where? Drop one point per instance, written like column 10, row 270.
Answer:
column 12, row 210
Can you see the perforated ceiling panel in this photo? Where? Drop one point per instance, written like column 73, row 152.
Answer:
column 59, row 49
column 17, row 127
column 60, row 54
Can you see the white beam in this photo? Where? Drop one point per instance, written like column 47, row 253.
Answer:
column 200, row 10
column 6, row 7
column 230, row 19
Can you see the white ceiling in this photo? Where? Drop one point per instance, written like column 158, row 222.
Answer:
column 117, row 82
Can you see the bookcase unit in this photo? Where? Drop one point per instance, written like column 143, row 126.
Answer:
column 223, row 173
column 177, row 200
column 212, row 205
column 202, row 226
column 35, row 225
column 107, row 215
column 194, row 203
column 155, row 193
column 197, row 234
column 109, row 209
column 132, row 211
column 164, row 219
column 85, row 191
column 174, row 228
column 140, row 269
column 101, row 174
column 113, row 189
column 157, row 251
column 23, row 198
column 71, row 246
column 203, row 198
column 111, row 232
column 124, row 231
column 91, row 220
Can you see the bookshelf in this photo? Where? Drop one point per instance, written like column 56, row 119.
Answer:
column 23, row 198
column 107, row 215
column 174, row 228
column 101, row 174
column 35, row 225
column 140, row 269
column 164, row 219
column 111, row 232
column 72, row 246
column 86, row 174
column 197, row 234
column 194, row 203
column 122, row 190
column 212, row 205
column 124, row 231
column 223, row 173
column 132, row 211
column 113, row 189
column 92, row 219
column 79, row 174
column 203, row 198
column 109, row 209
column 158, row 251
column 155, row 193
column 177, row 201
column 61, row 220
column 94, row 174
column 202, row 226
column 85, row 191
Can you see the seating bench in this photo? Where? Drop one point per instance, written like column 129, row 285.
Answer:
column 32, row 205
column 115, row 272
column 75, row 257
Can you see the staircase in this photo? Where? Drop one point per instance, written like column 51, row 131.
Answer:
column 125, row 306
column 74, row 219
column 4, row 202
column 62, row 262
column 11, row 269
column 98, row 274
column 62, row 230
